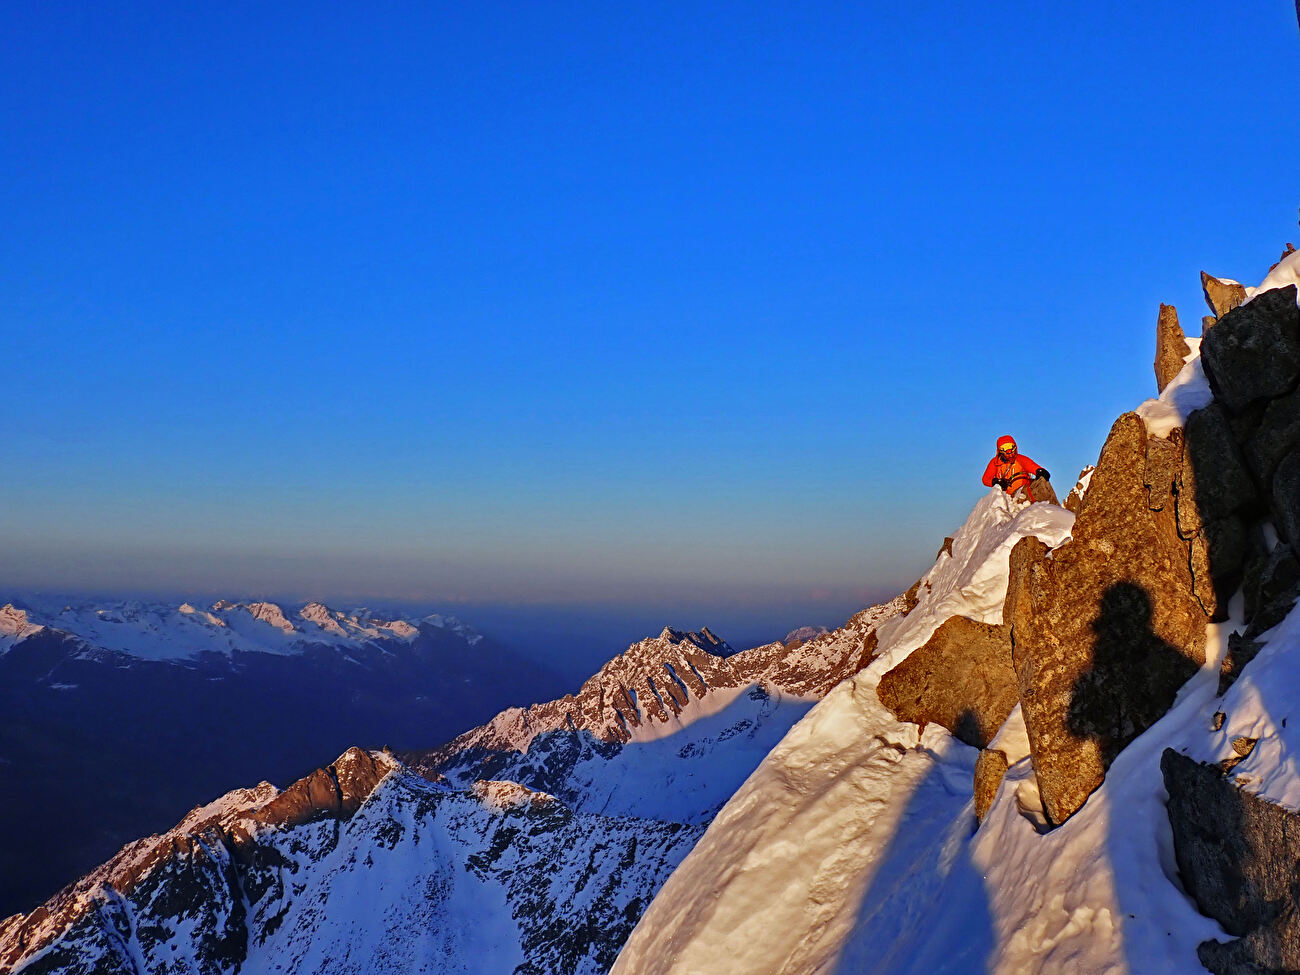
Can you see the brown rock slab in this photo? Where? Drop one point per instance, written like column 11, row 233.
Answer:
column 1221, row 296
column 1164, row 463
column 1171, row 346
column 960, row 679
column 1042, row 490
column 990, row 768
column 1106, row 630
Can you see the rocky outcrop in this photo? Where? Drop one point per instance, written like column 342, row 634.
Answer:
column 1253, row 353
column 990, row 768
column 1239, row 858
column 1222, row 295
column 1074, row 499
column 960, row 679
column 333, row 792
column 1171, row 346
column 1106, row 630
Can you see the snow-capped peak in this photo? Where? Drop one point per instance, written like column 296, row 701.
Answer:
column 14, row 626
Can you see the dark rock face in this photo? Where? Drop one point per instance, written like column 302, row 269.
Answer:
column 1214, row 481
column 1253, row 353
column 1239, row 857
column 1106, row 630
column 1221, row 296
column 1286, row 498
column 1171, row 346
column 1278, row 434
column 961, row 679
column 1271, row 586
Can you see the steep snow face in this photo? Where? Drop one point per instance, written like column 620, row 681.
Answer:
column 843, row 836
column 162, row 631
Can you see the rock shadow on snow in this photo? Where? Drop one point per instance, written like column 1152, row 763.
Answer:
column 907, row 927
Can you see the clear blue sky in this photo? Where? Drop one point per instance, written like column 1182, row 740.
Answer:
column 694, row 306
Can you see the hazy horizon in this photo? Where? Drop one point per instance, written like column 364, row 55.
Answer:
column 579, row 305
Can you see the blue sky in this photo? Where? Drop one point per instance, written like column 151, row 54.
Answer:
column 698, row 307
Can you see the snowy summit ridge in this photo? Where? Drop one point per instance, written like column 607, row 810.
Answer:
column 165, row 631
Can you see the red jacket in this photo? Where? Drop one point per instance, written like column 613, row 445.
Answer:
column 1019, row 471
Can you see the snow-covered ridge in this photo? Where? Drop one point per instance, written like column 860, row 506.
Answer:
column 853, row 847
column 166, row 631
column 662, row 684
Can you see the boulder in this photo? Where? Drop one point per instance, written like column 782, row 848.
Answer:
column 1171, row 346
column 1240, row 651
column 1105, row 631
column 1271, row 586
column 1253, row 353
column 1286, row 498
column 1207, row 322
column 1222, row 295
column 1217, row 559
column 1276, row 436
column 990, row 768
column 960, row 679
column 1238, row 857
column 1213, row 480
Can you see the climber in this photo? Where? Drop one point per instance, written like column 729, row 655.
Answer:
column 1013, row 471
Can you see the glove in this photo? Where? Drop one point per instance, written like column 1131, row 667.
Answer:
column 1000, row 482
column 1042, row 472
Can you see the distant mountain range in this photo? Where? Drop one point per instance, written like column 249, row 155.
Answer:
column 117, row 715
column 531, row 843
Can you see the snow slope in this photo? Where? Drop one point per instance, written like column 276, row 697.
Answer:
column 782, row 878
